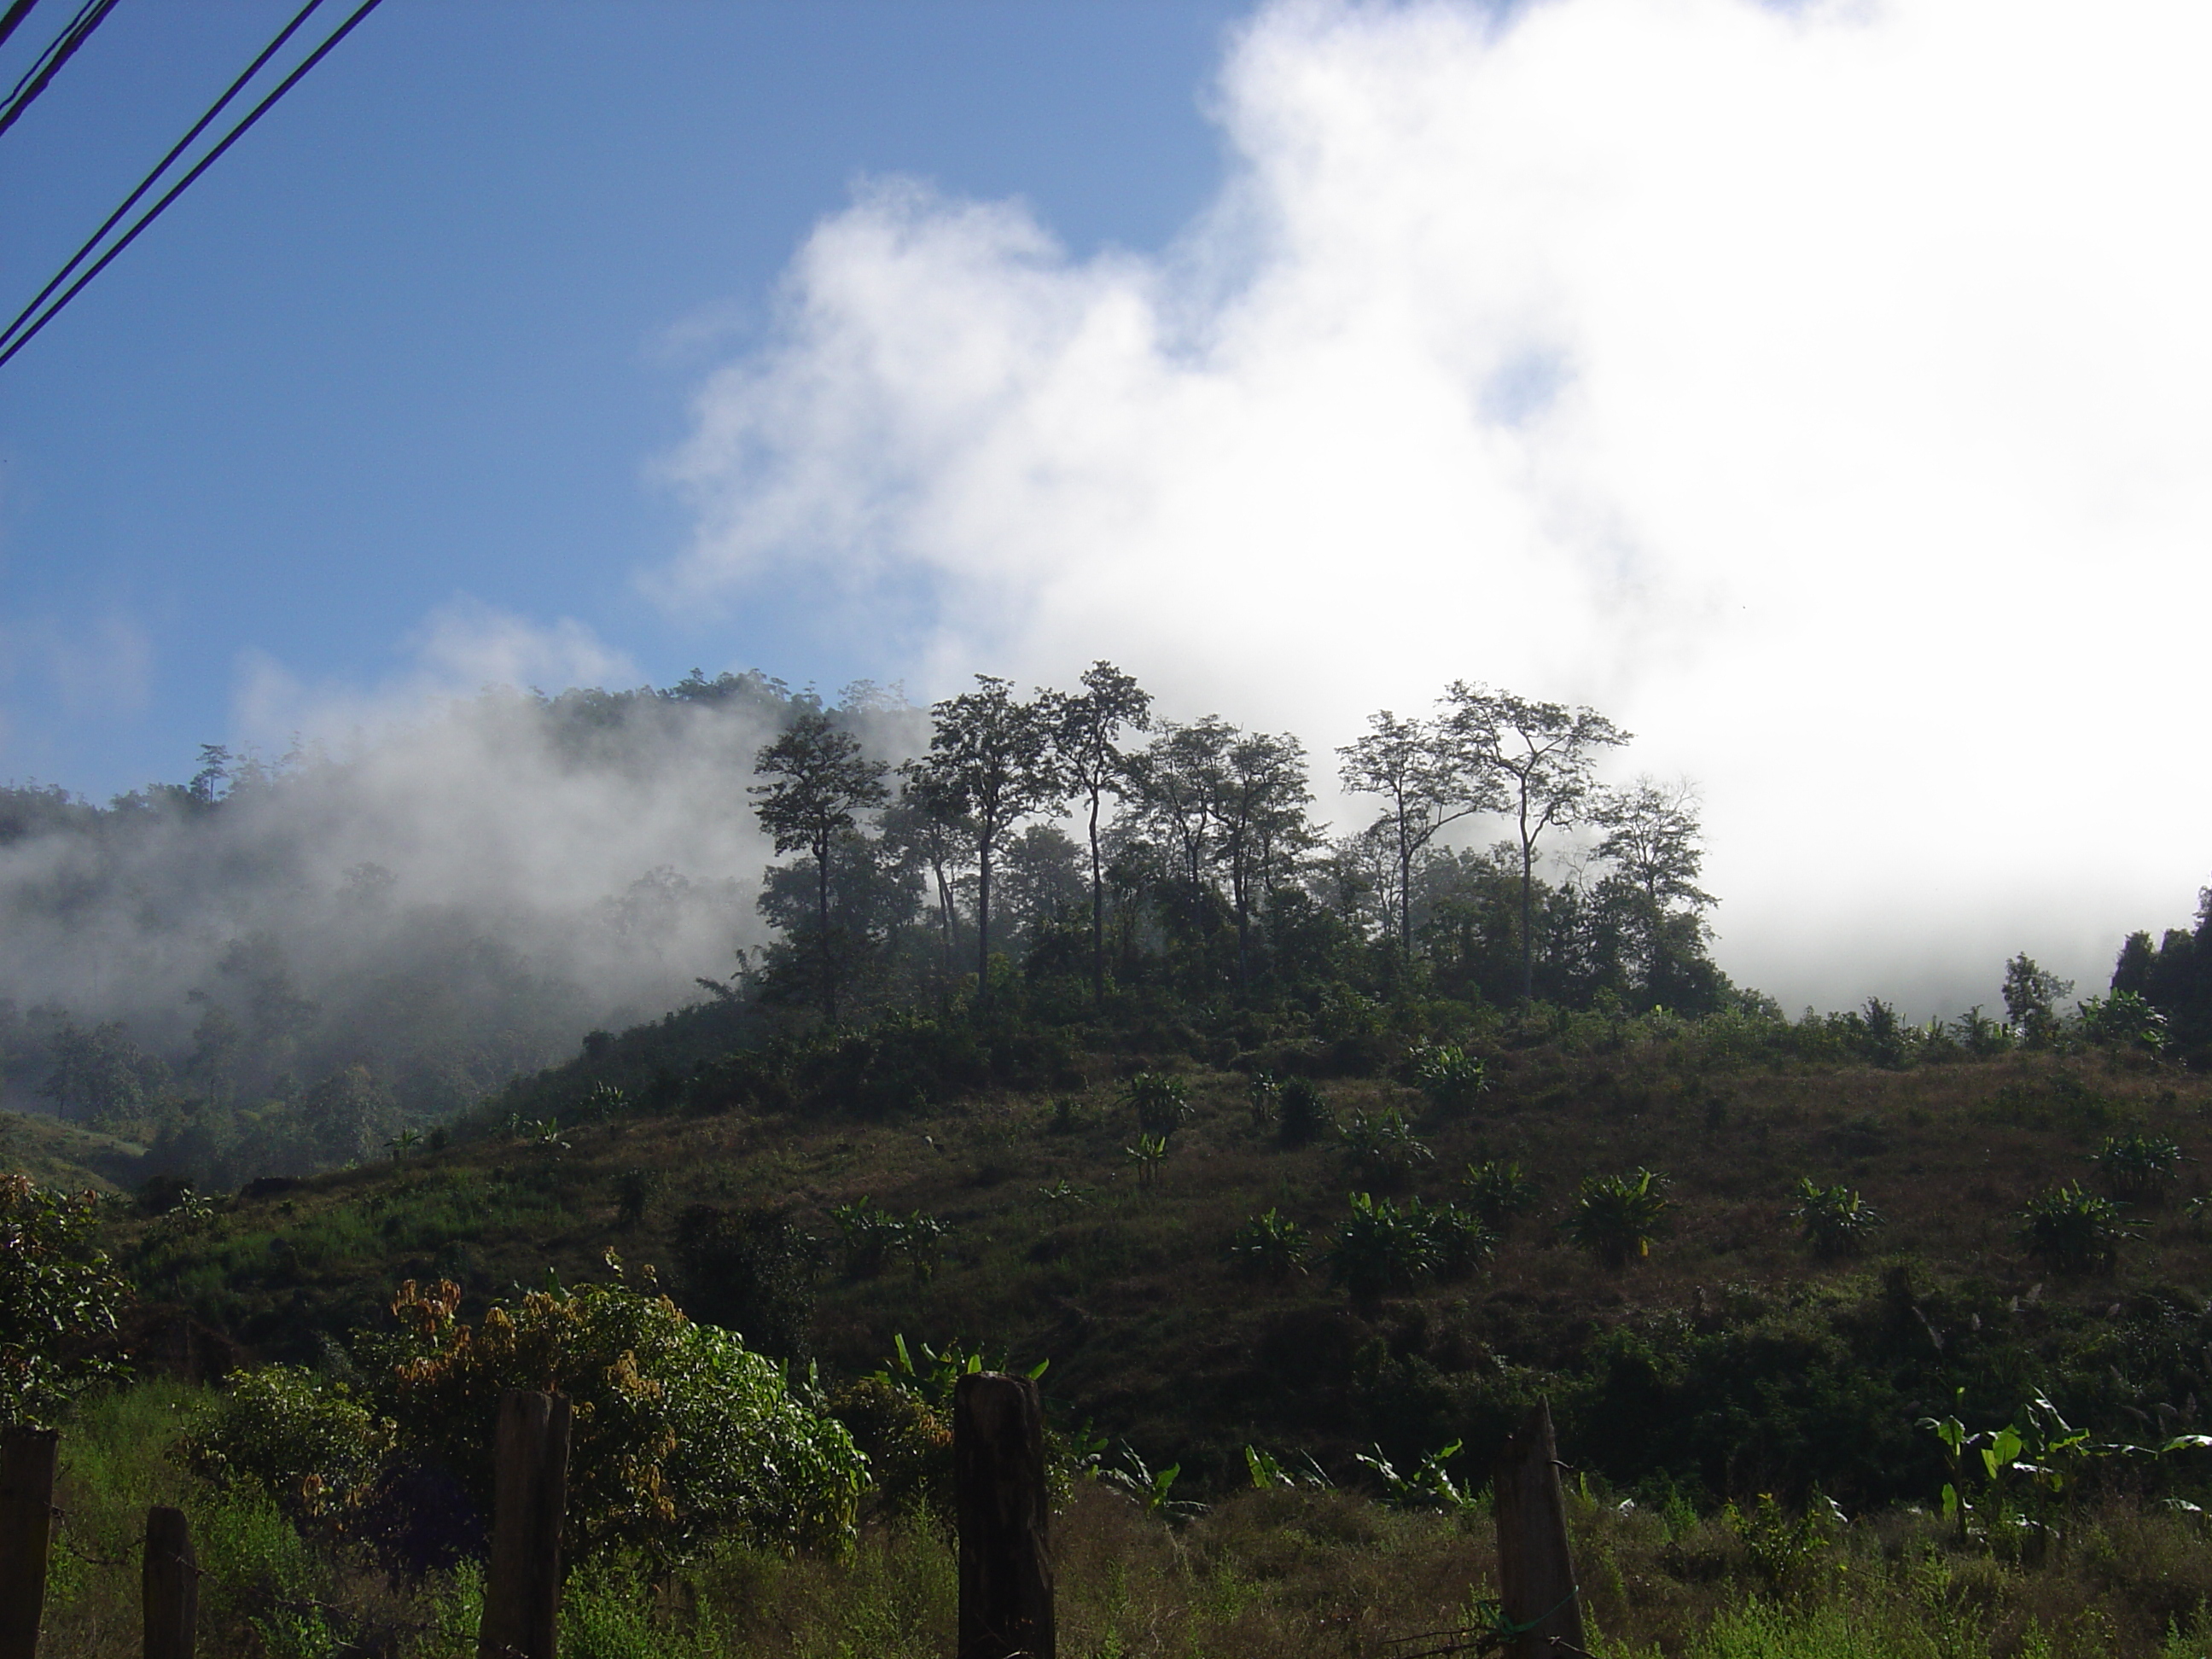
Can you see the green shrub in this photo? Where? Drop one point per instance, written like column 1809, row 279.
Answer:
column 682, row 1434
column 1497, row 1190
column 2071, row 1229
column 1834, row 1220
column 750, row 1270
column 1379, row 1249
column 2138, row 1167
column 59, row 1300
column 1263, row 1096
column 1270, row 1246
column 1617, row 1219
column 1162, row 1102
column 1382, row 1147
column 872, row 1235
column 1302, row 1116
column 1450, row 1076
column 1459, row 1240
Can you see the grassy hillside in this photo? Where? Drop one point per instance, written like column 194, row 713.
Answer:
column 1730, row 1362
column 64, row 1155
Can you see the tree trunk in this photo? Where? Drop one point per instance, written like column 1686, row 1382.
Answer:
column 828, row 962
column 1098, row 913
column 983, row 921
column 27, row 1523
column 1527, row 924
column 1536, row 1573
column 999, row 1481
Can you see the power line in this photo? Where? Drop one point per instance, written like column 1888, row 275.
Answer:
column 16, row 14
column 49, row 63
column 31, row 332
column 146, row 184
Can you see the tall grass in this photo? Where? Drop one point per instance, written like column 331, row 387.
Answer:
column 1279, row 1574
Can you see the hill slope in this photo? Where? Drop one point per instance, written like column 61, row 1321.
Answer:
column 1728, row 1362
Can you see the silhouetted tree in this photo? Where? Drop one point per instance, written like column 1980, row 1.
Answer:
column 992, row 754
column 1545, row 754
column 1419, row 768
column 1086, row 728
column 819, row 778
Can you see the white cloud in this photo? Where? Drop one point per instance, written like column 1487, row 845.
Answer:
column 1823, row 391
column 461, row 649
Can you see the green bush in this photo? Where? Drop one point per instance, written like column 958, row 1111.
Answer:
column 1270, row 1246
column 1450, row 1076
column 682, row 1434
column 59, row 1300
column 2071, row 1229
column 1834, row 1220
column 2138, row 1167
column 1379, row 1249
column 1302, row 1116
column 1618, row 1218
column 1497, row 1190
column 1382, row 1148
column 1161, row 1103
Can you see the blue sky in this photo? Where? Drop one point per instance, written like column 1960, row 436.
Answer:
column 426, row 330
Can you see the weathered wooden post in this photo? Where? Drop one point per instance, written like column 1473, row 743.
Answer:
column 522, row 1588
column 1535, row 1574
column 169, row 1585
column 998, row 1469
column 26, row 1525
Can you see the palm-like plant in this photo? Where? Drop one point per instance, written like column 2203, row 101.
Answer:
column 2071, row 1229
column 2137, row 1167
column 1499, row 1189
column 1450, row 1076
column 1459, row 1240
column 1148, row 1154
column 1834, row 1220
column 1382, row 1146
column 1380, row 1249
column 1270, row 1246
column 1301, row 1113
column 1161, row 1102
column 1617, row 1219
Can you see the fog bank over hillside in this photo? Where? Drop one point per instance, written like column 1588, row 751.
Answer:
column 460, row 888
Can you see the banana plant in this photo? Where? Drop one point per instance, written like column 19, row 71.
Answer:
column 1148, row 1154
column 1428, row 1487
column 1148, row 1488
column 1267, row 1472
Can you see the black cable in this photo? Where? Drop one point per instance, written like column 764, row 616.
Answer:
column 16, row 14
column 147, row 183
column 185, row 183
column 59, row 51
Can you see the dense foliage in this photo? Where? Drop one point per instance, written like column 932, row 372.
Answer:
column 682, row 1435
column 59, row 1297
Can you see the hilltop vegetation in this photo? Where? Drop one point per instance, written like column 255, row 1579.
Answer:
column 1298, row 1162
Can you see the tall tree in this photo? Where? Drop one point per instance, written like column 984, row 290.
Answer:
column 1419, row 768
column 1545, row 756
column 819, row 779
column 1085, row 741
column 1651, row 837
column 1260, row 800
column 992, row 754
column 930, row 820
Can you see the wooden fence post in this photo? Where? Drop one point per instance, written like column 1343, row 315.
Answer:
column 522, row 1590
column 1535, row 1574
column 169, row 1582
column 998, row 1469
column 26, row 1524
